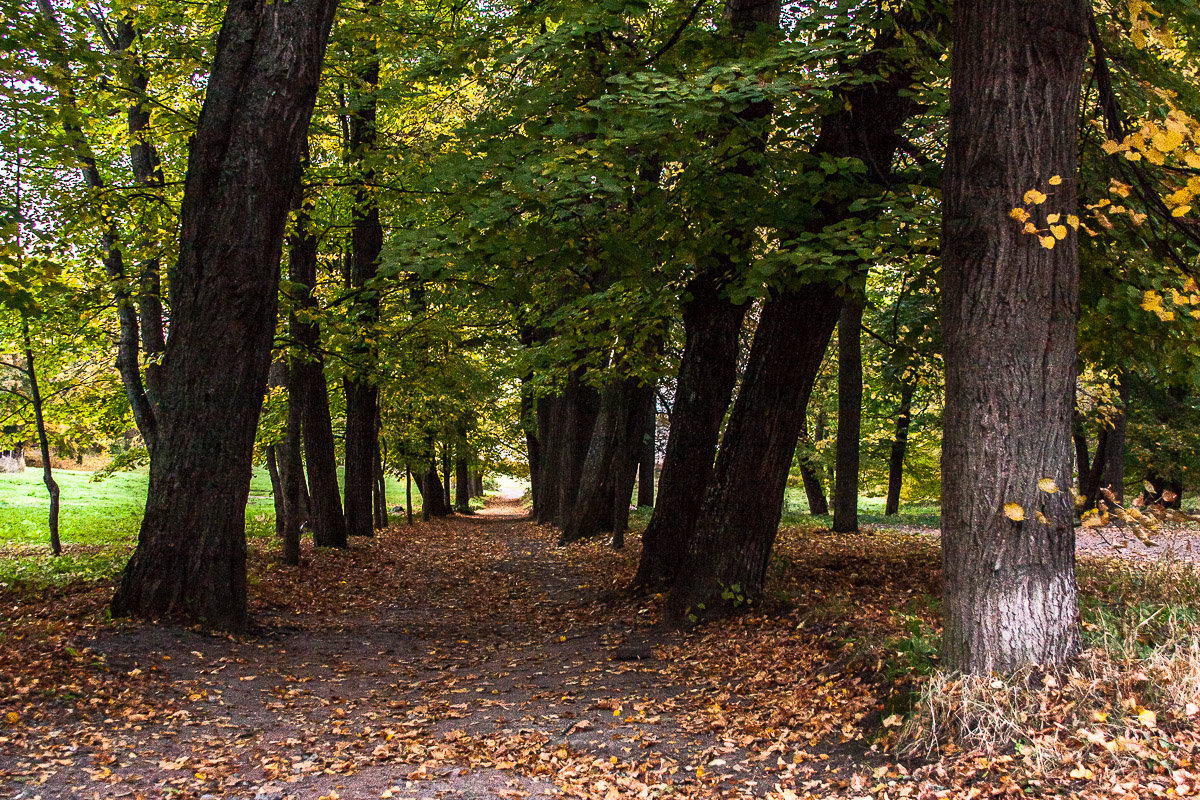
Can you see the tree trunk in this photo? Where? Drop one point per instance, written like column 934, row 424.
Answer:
column 35, row 398
column 291, row 479
column 1114, row 453
column 276, row 489
column 379, row 495
column 408, row 493
column 726, row 561
column 1082, row 461
column 646, row 459
column 629, row 452
column 462, row 485
column 707, row 374
column 309, row 389
column 549, row 411
column 1009, row 310
column 813, row 491
column 190, row 559
column 736, row 527
column 433, row 496
column 366, row 242
column 845, row 489
column 899, row 449
column 578, row 408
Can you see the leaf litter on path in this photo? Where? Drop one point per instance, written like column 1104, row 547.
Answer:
column 471, row 658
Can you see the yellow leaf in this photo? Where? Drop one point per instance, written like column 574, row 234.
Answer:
column 1030, row 228
column 1019, row 214
column 1192, row 160
column 699, row 772
column 1048, row 242
column 1156, row 157
column 1055, row 180
column 1148, row 718
column 1048, row 485
column 1111, row 147
column 1035, row 197
column 1073, row 221
column 1059, row 231
column 1167, row 141
column 13, row 717
column 1082, row 773
column 1042, row 518
column 1181, row 211
column 1014, row 512
column 1053, row 218
column 1151, row 300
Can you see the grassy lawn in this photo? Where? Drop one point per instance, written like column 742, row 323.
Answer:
column 98, row 523
column 870, row 511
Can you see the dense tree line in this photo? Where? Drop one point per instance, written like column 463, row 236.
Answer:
column 441, row 239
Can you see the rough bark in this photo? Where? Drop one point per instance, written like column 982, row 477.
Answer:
column 1009, row 310
column 850, row 390
column 728, row 556
column 727, row 559
column 707, row 374
column 190, row 559
column 898, row 451
column 311, row 392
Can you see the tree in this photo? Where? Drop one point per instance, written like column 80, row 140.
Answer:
column 850, row 395
column 242, row 172
column 1009, row 308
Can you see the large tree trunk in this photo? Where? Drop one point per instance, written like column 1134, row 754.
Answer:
column 309, row 389
column 899, row 450
column 737, row 524
column 740, row 515
column 1009, row 310
column 190, row 559
column 845, row 488
column 707, row 374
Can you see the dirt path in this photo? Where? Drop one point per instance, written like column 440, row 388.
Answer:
column 466, row 658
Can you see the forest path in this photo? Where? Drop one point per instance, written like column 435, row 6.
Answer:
column 467, row 657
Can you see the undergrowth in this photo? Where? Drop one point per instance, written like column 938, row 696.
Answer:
column 1137, row 677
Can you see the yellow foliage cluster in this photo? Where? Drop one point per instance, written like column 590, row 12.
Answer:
column 1145, row 30
column 1055, row 225
column 1153, row 301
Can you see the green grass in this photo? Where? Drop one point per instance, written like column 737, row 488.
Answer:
column 98, row 523
column 870, row 511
